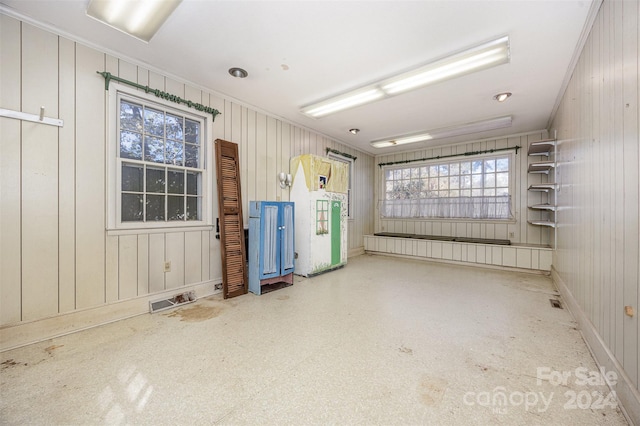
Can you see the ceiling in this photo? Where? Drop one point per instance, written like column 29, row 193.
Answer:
column 300, row 52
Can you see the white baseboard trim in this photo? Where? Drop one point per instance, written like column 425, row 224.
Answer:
column 459, row 263
column 625, row 390
column 355, row 252
column 29, row 332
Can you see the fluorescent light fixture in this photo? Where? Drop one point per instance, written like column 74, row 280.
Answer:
column 480, row 57
column 446, row 132
column 348, row 100
column 138, row 18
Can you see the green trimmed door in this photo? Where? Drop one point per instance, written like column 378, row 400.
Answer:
column 335, row 232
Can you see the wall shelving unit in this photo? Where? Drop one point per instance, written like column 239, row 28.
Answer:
column 544, row 148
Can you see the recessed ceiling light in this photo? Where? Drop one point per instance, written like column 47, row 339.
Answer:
column 354, row 131
column 501, row 97
column 238, row 72
column 140, row 19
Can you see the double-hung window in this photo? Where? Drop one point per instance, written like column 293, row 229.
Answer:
column 160, row 163
column 473, row 188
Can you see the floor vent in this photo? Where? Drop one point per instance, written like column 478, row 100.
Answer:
column 555, row 303
column 177, row 300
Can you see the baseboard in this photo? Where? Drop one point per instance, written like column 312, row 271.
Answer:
column 459, row 263
column 627, row 394
column 357, row 251
column 26, row 333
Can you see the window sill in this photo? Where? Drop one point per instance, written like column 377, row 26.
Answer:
column 159, row 230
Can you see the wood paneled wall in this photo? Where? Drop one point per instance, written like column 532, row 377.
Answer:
column 56, row 254
column 598, row 254
column 516, row 230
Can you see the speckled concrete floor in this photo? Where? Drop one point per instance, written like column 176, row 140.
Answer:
column 381, row 341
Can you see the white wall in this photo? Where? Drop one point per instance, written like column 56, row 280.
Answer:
column 596, row 264
column 56, row 255
column 516, row 230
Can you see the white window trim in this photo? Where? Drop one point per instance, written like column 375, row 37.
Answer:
column 113, row 175
column 460, row 158
column 352, row 179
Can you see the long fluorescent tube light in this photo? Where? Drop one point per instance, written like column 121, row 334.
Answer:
column 138, row 18
column 349, row 100
column 480, row 57
column 446, row 132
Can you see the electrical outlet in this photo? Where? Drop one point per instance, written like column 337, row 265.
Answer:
column 512, row 234
column 167, row 266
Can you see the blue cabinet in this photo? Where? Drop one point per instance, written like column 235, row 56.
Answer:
column 271, row 244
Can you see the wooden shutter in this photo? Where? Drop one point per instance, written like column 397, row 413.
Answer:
column 234, row 274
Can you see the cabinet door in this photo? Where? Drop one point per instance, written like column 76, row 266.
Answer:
column 287, row 253
column 269, row 235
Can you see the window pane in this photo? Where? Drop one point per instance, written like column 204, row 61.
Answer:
column 415, row 172
column 192, row 131
column 406, row 174
column 454, row 169
column 465, row 168
column 465, row 193
column 502, row 191
column 155, row 180
column 174, row 128
column 153, row 149
column 489, row 166
column 433, row 171
column 502, row 164
column 476, row 192
column 175, row 208
column 443, row 183
column 502, row 179
column 443, row 170
column 132, row 178
column 476, row 166
column 433, row 184
column 388, row 174
column 175, row 182
column 465, row 182
column 192, row 156
column 397, row 174
column 489, row 192
column 454, row 193
column 476, row 181
column 454, row 182
column 389, row 186
column 131, row 210
column 490, row 180
column 131, row 145
column 424, row 171
column 193, row 187
column 193, row 208
column 175, row 153
column 155, row 207
column 130, row 116
column 154, row 122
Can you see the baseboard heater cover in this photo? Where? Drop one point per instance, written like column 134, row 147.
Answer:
column 177, row 300
column 445, row 238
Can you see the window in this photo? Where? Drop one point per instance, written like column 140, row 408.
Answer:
column 477, row 188
column 349, row 162
column 159, row 167
column 322, row 217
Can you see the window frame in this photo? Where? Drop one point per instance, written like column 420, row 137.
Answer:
column 351, row 163
column 442, row 161
column 114, row 162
